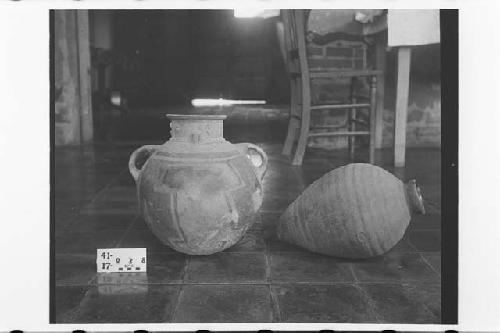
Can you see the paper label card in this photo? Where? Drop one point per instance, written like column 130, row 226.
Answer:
column 121, row 260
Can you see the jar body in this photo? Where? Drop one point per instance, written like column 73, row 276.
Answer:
column 355, row 211
column 198, row 194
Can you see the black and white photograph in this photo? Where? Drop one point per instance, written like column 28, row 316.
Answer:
column 246, row 167
column 275, row 165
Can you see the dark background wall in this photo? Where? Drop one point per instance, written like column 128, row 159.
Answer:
column 424, row 101
column 198, row 53
column 177, row 55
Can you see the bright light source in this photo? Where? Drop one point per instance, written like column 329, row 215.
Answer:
column 223, row 102
column 115, row 98
column 255, row 12
column 246, row 12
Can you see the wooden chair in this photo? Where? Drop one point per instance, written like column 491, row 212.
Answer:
column 303, row 68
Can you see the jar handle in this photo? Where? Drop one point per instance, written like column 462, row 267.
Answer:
column 259, row 167
column 132, row 166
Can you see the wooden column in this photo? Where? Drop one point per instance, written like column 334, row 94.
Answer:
column 373, row 113
column 85, row 90
column 379, row 114
column 403, row 83
column 66, row 81
column 72, row 84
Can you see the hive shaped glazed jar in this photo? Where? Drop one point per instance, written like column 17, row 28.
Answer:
column 356, row 211
column 198, row 193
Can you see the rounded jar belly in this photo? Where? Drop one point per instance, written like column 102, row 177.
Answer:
column 199, row 205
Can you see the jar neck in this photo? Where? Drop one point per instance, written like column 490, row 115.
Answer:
column 196, row 131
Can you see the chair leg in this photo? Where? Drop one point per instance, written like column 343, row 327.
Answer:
column 293, row 126
column 373, row 110
column 304, row 122
column 352, row 128
column 293, row 123
column 351, row 123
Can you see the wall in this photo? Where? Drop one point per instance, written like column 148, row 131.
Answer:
column 199, row 53
column 424, row 100
column 159, row 40
column 237, row 58
column 181, row 51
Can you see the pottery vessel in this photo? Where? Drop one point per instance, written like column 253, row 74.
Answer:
column 198, row 193
column 356, row 211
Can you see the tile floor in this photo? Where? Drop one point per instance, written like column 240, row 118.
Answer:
column 258, row 280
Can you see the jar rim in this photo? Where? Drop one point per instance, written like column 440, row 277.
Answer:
column 196, row 116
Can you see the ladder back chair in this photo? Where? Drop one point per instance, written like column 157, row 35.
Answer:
column 336, row 59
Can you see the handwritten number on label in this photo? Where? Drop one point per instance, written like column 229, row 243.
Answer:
column 121, row 260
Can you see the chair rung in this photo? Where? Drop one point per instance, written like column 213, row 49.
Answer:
column 358, row 121
column 338, row 133
column 329, row 126
column 340, row 106
column 341, row 73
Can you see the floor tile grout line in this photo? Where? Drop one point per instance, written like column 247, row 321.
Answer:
column 275, row 308
column 78, row 308
column 429, row 264
column 173, row 312
column 99, row 193
column 356, row 280
column 125, row 233
column 272, row 211
column 185, row 269
column 275, row 305
column 424, row 229
column 266, row 254
column 333, row 258
column 265, row 283
column 182, row 285
column 82, row 255
column 423, row 304
column 93, row 199
column 167, row 252
column 369, row 300
column 423, row 258
column 173, row 252
column 94, row 276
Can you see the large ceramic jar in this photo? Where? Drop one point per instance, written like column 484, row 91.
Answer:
column 197, row 192
column 356, row 211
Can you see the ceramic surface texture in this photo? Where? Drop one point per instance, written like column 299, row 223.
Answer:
column 356, row 211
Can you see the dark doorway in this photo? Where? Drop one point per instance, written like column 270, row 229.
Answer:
column 159, row 60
